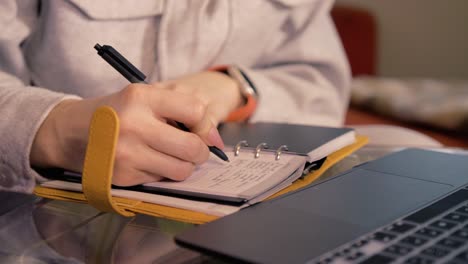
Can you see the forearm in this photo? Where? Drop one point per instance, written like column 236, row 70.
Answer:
column 304, row 77
column 22, row 111
column 300, row 94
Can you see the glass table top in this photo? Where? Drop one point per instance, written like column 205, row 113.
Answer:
column 37, row 230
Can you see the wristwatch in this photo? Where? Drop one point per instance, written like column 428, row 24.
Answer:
column 247, row 90
column 246, row 86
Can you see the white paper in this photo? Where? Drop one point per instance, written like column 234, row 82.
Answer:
column 264, row 176
column 244, row 174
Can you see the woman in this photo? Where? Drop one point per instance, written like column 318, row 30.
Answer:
column 51, row 80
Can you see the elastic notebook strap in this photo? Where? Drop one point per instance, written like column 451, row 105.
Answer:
column 99, row 161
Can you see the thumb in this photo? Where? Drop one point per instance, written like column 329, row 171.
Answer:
column 207, row 131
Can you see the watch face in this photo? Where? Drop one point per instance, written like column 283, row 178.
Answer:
column 246, row 86
column 246, row 78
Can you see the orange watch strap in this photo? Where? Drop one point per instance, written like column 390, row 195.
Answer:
column 244, row 112
column 220, row 68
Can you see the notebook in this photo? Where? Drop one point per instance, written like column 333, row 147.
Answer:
column 407, row 207
column 252, row 174
column 314, row 142
column 215, row 189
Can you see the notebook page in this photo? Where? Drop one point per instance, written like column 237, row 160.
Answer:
column 242, row 176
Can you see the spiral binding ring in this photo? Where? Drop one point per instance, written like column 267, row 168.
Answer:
column 259, row 148
column 279, row 151
column 239, row 145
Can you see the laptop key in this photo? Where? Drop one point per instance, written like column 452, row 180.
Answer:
column 435, row 252
column 355, row 256
column 418, row 260
column 413, row 241
column 439, row 207
column 450, row 243
column 346, row 251
column 429, row 232
column 398, row 250
column 383, row 237
column 377, row 259
column 463, row 209
column 452, row 261
column 456, row 217
column 400, row 227
column 360, row 243
column 461, row 234
column 442, row 224
column 463, row 256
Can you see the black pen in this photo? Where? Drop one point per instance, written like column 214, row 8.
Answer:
column 133, row 75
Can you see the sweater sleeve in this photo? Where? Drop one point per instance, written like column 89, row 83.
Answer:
column 23, row 107
column 304, row 76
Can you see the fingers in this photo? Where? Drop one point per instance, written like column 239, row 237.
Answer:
column 206, row 129
column 174, row 142
column 149, row 148
column 130, row 176
column 177, row 106
column 188, row 110
column 148, row 166
column 163, row 103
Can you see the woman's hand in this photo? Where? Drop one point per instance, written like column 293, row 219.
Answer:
column 217, row 91
column 148, row 148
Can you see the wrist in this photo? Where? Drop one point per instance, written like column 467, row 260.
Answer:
column 246, row 89
column 234, row 88
column 60, row 139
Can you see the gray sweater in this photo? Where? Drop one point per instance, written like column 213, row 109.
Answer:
column 289, row 48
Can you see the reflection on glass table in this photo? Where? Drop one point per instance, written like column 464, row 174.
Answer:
column 35, row 230
column 45, row 231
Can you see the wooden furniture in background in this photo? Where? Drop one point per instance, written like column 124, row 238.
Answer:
column 358, row 30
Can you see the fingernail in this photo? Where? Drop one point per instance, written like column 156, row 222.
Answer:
column 215, row 139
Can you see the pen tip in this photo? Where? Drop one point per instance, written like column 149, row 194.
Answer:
column 219, row 153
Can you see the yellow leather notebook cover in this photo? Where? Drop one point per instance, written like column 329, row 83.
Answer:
column 98, row 171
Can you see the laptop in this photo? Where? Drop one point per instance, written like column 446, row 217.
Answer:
column 408, row 207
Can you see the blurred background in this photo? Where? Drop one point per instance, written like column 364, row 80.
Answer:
column 410, row 65
column 420, row 38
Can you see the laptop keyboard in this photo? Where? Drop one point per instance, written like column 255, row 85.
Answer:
column 437, row 233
